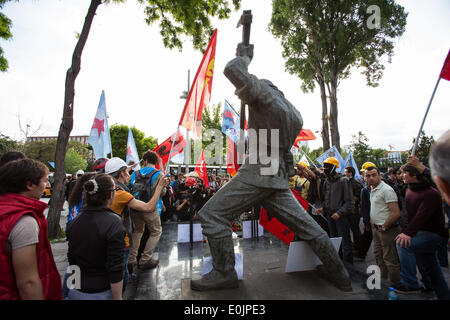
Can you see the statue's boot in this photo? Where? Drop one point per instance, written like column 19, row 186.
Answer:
column 332, row 269
column 223, row 275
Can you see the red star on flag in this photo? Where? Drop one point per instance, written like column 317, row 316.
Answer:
column 129, row 151
column 99, row 125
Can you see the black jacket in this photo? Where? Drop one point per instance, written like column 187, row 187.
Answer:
column 338, row 195
column 96, row 245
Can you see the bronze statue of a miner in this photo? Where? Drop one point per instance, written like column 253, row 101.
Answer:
column 262, row 181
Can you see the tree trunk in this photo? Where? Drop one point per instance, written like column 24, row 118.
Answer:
column 335, row 138
column 54, row 213
column 325, row 128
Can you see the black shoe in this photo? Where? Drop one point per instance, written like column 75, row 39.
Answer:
column 149, row 265
column 401, row 288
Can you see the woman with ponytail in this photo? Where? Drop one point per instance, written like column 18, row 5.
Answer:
column 96, row 243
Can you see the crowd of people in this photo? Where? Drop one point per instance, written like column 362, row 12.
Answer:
column 400, row 212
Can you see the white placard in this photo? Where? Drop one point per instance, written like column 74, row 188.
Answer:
column 238, row 265
column 184, row 232
column 247, row 229
column 302, row 258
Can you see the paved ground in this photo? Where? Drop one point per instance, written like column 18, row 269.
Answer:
column 264, row 273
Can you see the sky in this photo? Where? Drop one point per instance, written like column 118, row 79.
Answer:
column 143, row 80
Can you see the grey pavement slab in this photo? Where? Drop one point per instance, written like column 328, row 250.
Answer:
column 264, row 275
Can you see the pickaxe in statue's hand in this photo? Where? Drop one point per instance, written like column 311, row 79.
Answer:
column 244, row 49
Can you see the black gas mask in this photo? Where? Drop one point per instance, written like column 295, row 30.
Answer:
column 329, row 169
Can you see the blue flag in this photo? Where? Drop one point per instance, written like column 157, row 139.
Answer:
column 132, row 153
column 332, row 152
column 99, row 137
column 230, row 122
column 350, row 161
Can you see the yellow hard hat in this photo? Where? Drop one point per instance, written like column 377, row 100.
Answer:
column 333, row 161
column 366, row 165
column 302, row 164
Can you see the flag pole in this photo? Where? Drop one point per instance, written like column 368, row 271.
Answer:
column 423, row 121
column 308, row 158
column 171, row 148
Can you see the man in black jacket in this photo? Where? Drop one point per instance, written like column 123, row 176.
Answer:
column 355, row 217
column 338, row 204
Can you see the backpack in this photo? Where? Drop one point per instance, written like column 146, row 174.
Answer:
column 142, row 188
column 126, row 217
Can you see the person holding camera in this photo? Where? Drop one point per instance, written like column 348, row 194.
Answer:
column 184, row 205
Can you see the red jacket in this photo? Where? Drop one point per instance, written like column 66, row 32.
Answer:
column 12, row 208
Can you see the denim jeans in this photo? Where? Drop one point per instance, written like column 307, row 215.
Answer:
column 425, row 246
column 408, row 269
column 341, row 228
column 126, row 274
column 65, row 289
column 75, row 294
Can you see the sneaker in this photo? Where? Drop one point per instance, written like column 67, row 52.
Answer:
column 401, row 288
column 149, row 265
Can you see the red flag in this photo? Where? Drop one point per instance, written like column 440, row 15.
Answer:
column 200, row 93
column 305, row 134
column 275, row 227
column 232, row 157
column 200, row 169
column 445, row 72
column 163, row 150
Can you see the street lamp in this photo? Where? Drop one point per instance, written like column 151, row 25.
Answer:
column 187, row 154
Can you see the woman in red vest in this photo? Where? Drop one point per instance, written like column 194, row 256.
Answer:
column 28, row 270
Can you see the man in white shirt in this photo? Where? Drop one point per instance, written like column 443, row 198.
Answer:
column 384, row 216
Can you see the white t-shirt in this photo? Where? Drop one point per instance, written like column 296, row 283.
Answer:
column 379, row 199
column 24, row 233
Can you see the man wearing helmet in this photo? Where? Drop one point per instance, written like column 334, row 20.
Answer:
column 338, row 204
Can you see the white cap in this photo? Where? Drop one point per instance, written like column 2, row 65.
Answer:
column 114, row 164
column 80, row 172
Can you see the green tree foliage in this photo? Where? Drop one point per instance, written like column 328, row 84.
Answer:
column 177, row 17
column 323, row 39
column 119, row 138
column 190, row 18
column 5, row 33
column 423, row 149
column 44, row 151
column 75, row 161
column 7, row 144
column 362, row 152
column 360, row 148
